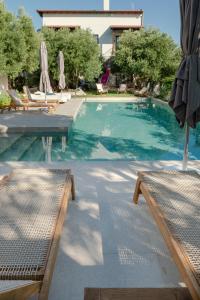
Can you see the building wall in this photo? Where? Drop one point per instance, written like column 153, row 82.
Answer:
column 98, row 24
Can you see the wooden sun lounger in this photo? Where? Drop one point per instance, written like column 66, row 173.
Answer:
column 30, row 99
column 174, row 200
column 25, row 104
column 136, row 294
column 33, row 207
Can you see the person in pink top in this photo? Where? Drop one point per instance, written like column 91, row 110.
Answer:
column 105, row 77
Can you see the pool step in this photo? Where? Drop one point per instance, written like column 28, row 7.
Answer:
column 35, row 152
column 17, row 149
column 30, row 148
column 7, row 142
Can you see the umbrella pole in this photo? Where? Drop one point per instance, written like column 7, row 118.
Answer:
column 185, row 156
column 45, row 95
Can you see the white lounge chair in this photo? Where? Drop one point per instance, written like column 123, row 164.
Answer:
column 101, row 89
column 50, row 98
column 122, row 88
column 142, row 93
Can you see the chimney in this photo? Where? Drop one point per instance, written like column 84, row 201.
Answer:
column 106, row 4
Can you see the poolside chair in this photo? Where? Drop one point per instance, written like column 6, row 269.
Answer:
column 8, row 107
column 33, row 208
column 122, row 88
column 13, row 104
column 101, row 89
column 50, row 98
column 142, row 93
column 16, row 102
column 80, row 92
column 173, row 199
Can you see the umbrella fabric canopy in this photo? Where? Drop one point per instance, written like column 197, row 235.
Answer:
column 45, row 85
column 185, row 98
column 61, row 67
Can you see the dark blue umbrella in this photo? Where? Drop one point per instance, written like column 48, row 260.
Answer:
column 185, row 98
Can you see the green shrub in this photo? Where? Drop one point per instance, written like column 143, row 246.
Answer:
column 4, row 99
column 166, row 88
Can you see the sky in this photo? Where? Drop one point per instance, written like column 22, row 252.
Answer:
column 163, row 14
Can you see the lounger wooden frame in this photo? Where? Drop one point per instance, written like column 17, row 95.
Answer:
column 42, row 287
column 137, row 294
column 26, row 103
column 177, row 252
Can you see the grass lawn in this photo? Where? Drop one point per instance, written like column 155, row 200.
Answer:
column 109, row 94
column 4, row 100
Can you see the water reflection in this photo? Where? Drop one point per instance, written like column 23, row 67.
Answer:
column 33, row 147
column 64, row 143
column 47, row 146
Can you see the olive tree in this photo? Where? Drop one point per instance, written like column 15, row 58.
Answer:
column 31, row 40
column 12, row 44
column 81, row 53
column 148, row 54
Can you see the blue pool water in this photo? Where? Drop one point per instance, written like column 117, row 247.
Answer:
column 108, row 131
column 141, row 131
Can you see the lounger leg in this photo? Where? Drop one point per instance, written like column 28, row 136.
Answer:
column 73, row 188
column 137, row 191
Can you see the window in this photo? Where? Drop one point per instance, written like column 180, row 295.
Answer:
column 96, row 36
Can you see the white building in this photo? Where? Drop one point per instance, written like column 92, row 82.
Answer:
column 106, row 25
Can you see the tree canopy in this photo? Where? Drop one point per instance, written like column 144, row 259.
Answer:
column 12, row 44
column 148, row 54
column 18, row 44
column 31, row 40
column 81, row 53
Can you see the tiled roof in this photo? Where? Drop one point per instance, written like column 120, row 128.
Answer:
column 126, row 12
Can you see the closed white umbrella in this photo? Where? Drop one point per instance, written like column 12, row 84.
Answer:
column 61, row 67
column 45, row 85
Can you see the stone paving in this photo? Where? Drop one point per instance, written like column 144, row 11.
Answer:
column 107, row 241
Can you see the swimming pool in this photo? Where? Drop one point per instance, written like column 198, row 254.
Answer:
column 145, row 130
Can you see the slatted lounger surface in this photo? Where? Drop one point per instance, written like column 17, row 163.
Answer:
column 33, row 204
column 174, row 200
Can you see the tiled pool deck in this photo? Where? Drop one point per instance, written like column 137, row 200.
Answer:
column 108, row 241
column 34, row 121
